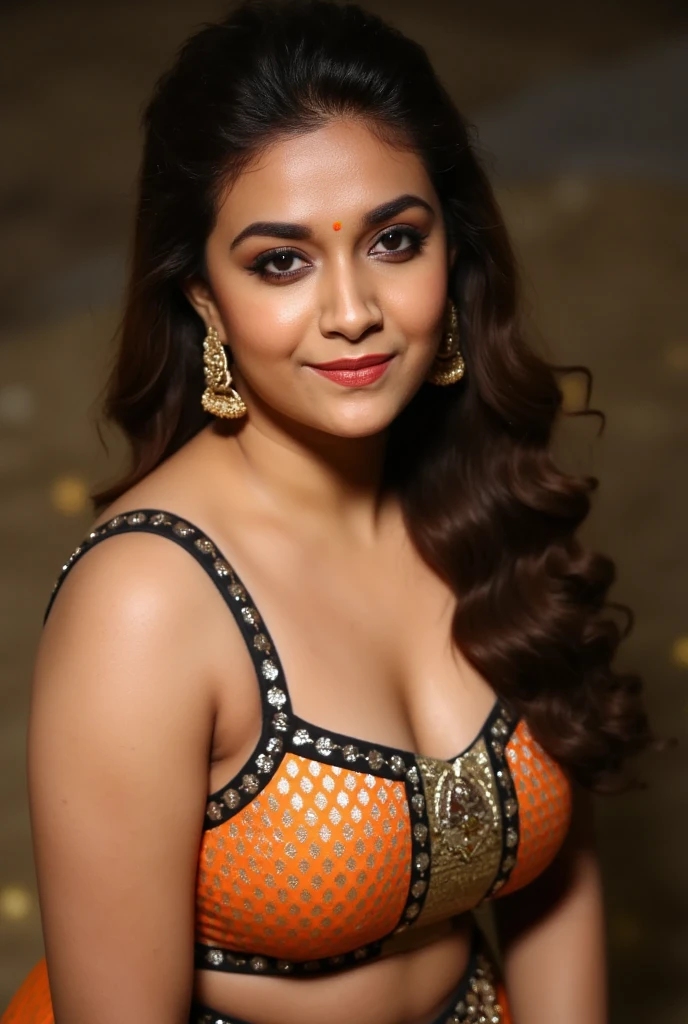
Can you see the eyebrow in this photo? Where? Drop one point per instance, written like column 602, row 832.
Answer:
column 299, row 232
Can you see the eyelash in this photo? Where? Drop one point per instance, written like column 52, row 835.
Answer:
column 417, row 239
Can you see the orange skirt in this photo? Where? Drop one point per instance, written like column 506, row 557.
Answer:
column 32, row 1003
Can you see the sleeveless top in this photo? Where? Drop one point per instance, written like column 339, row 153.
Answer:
column 324, row 846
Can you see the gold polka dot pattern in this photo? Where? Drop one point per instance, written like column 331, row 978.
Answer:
column 544, row 806
column 318, row 864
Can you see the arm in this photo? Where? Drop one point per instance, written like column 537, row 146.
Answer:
column 118, row 765
column 552, row 935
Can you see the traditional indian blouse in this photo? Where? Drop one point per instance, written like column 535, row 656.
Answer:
column 324, row 846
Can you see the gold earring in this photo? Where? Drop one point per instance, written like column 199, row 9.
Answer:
column 449, row 365
column 219, row 397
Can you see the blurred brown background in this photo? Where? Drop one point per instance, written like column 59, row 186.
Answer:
column 582, row 114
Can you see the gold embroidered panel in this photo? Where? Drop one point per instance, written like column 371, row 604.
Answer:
column 465, row 831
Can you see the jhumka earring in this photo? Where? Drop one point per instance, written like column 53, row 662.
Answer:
column 449, row 365
column 219, row 397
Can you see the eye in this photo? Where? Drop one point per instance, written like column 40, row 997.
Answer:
column 392, row 241
column 278, row 263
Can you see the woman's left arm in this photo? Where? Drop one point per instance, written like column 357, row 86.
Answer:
column 553, row 936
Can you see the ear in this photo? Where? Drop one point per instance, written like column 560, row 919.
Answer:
column 200, row 296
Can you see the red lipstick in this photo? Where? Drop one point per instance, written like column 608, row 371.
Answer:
column 354, row 372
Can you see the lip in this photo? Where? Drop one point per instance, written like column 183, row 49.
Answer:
column 360, row 376
column 357, row 363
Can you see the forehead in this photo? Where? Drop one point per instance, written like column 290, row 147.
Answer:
column 340, row 170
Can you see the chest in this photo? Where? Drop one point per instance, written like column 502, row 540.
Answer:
column 365, row 644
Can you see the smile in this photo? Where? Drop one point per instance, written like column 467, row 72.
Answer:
column 354, row 373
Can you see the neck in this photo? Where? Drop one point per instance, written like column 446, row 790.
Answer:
column 314, row 478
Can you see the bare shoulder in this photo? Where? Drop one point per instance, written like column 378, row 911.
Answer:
column 131, row 578
column 136, row 602
column 135, row 573
column 138, row 625
column 132, row 610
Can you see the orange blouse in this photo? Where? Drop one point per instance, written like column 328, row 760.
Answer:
column 324, row 846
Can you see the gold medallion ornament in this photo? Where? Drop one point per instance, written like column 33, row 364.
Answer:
column 449, row 365
column 219, row 398
column 464, row 817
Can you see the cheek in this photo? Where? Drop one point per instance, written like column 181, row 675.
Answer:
column 418, row 307
column 264, row 322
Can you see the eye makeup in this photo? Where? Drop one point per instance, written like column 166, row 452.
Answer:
column 283, row 257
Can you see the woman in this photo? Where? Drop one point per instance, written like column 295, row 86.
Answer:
column 332, row 410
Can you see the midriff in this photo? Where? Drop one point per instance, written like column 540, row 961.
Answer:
column 409, row 984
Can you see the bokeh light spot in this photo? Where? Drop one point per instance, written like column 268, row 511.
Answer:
column 679, row 651
column 574, row 390
column 69, row 495
column 15, row 903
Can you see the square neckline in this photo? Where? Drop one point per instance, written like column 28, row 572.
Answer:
column 219, row 568
column 340, row 737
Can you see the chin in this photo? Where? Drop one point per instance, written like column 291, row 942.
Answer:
column 360, row 423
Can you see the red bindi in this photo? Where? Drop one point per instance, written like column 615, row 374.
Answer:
column 337, row 226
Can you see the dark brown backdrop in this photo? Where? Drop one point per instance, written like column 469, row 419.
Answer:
column 579, row 107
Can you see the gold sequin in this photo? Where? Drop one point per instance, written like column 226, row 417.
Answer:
column 205, row 546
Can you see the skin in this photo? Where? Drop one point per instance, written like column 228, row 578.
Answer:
column 144, row 696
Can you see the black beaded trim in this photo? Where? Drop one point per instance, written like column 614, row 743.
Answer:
column 269, row 751
column 337, row 749
column 499, row 729
column 364, row 756
column 474, row 1000
column 215, row 958
column 421, row 856
column 204, row 1015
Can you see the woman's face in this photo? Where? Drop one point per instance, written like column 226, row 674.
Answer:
column 329, row 246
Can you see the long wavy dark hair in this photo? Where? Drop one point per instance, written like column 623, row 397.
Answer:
column 485, row 504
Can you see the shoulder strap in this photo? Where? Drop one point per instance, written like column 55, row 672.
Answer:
column 260, row 646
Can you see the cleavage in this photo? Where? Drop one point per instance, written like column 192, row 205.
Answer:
column 363, row 670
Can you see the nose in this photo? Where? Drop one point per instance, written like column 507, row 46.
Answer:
column 347, row 309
